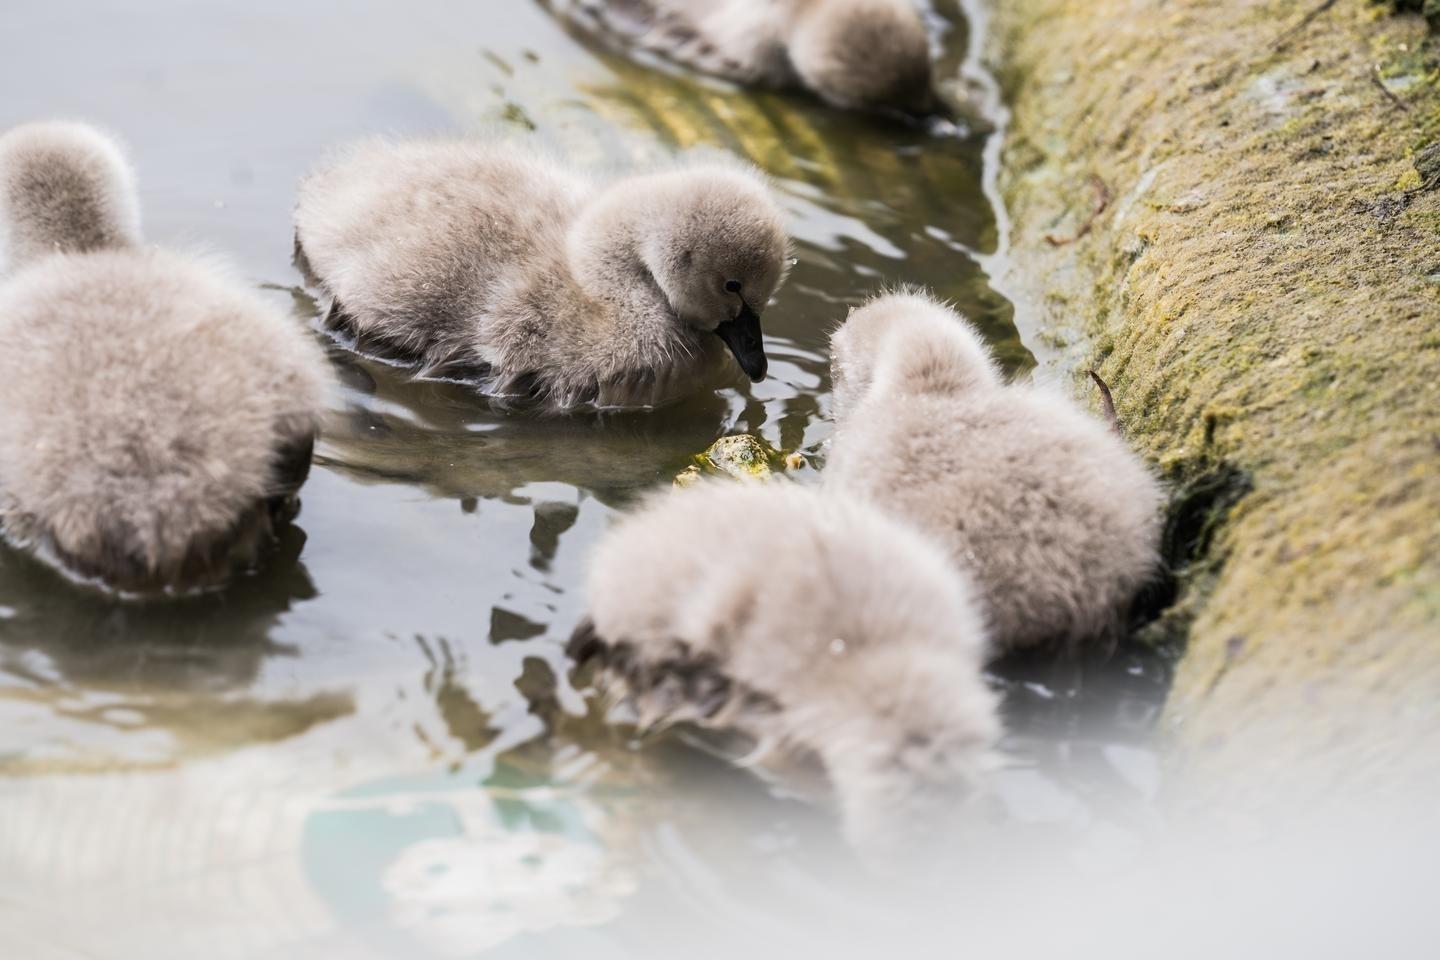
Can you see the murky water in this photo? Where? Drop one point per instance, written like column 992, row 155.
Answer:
column 371, row 747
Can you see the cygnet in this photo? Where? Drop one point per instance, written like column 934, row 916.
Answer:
column 490, row 260
column 814, row 626
column 853, row 54
column 1057, row 519
column 156, row 417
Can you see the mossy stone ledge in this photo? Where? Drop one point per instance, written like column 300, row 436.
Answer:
column 1231, row 211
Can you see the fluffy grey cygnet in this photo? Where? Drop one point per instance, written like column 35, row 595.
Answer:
column 853, row 54
column 813, row 625
column 491, row 258
column 1054, row 515
column 156, row 417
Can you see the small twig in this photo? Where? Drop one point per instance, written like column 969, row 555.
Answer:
column 1305, row 21
column 1107, row 401
column 1102, row 200
column 1379, row 82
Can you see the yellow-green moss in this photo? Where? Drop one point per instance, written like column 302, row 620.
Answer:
column 740, row 457
column 1261, row 293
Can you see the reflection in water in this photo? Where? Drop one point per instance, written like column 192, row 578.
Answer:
column 458, row 870
column 348, row 753
column 447, row 439
column 461, row 896
column 97, row 682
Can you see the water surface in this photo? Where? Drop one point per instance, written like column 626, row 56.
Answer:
column 371, row 748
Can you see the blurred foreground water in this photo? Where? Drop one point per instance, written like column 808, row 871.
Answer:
column 371, row 748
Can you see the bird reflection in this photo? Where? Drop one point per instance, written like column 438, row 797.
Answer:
column 464, row 719
column 552, row 520
column 453, row 442
column 177, row 667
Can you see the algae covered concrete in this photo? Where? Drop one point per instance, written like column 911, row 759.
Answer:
column 1230, row 210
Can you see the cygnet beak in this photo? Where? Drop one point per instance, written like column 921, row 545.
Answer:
column 742, row 336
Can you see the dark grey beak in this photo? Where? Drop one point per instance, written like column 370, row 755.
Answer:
column 742, row 336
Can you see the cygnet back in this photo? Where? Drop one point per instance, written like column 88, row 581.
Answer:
column 865, row 54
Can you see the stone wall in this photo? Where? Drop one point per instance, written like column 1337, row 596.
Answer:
column 1229, row 209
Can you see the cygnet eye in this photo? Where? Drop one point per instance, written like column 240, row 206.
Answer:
column 732, row 286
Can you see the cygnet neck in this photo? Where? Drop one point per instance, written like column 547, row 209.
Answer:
column 608, row 252
column 917, row 358
column 64, row 188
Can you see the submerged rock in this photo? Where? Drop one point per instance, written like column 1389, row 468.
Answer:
column 741, row 457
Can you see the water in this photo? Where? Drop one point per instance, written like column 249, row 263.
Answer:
column 370, row 748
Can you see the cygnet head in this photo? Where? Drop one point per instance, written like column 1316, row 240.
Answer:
column 864, row 54
column 64, row 188
column 858, row 630
column 711, row 237
column 907, row 342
